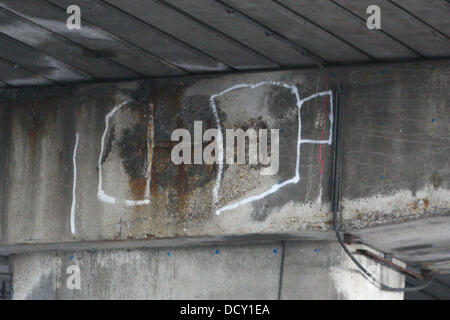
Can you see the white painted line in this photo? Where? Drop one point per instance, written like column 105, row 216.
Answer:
column 131, row 203
column 150, row 149
column 74, row 188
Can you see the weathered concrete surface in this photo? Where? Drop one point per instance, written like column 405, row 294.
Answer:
column 396, row 157
column 40, row 138
column 312, row 270
column 395, row 161
column 322, row 270
column 179, row 242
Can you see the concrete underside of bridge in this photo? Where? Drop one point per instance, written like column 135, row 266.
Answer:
column 87, row 168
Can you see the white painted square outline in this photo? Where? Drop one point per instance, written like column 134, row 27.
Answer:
column 100, row 192
column 300, row 141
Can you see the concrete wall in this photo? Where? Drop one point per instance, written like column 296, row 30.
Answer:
column 57, row 143
column 396, row 163
column 311, row 270
column 40, row 133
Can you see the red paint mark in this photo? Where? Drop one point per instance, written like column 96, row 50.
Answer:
column 321, row 154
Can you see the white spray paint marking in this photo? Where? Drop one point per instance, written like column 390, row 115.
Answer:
column 130, row 203
column 150, row 144
column 300, row 141
column 100, row 193
column 74, row 188
column 319, row 198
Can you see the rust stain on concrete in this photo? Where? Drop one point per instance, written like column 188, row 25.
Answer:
column 137, row 187
column 426, row 203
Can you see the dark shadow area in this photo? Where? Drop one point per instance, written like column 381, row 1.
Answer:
column 5, row 280
column 439, row 289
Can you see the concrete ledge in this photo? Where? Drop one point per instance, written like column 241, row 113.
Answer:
column 311, row 270
column 162, row 243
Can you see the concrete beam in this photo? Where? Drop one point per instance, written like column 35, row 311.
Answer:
column 311, row 270
column 60, row 142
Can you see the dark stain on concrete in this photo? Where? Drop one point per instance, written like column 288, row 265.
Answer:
column 36, row 119
column 137, row 187
column 171, row 185
column 413, row 248
column 161, row 167
column 6, row 157
column 435, row 180
column 43, row 114
column 99, row 53
column 255, row 124
column 262, row 210
column 282, row 103
column 133, row 150
column 165, row 96
column 283, row 108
